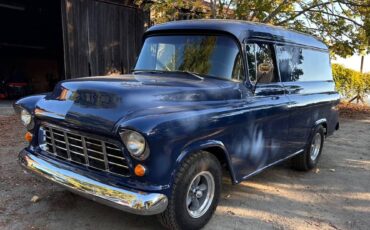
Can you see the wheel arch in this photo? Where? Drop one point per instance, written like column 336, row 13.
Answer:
column 216, row 148
column 322, row 122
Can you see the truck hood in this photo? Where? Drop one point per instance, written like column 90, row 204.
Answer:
column 98, row 103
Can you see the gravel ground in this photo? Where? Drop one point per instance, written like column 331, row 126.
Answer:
column 336, row 195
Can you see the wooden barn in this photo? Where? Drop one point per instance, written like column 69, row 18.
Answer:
column 44, row 41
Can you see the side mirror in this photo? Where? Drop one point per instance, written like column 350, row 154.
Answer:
column 254, row 86
column 263, row 74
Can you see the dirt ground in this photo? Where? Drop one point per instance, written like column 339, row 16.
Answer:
column 334, row 196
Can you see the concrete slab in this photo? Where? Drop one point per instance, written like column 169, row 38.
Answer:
column 6, row 107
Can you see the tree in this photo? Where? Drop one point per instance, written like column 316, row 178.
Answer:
column 342, row 24
column 197, row 55
column 170, row 10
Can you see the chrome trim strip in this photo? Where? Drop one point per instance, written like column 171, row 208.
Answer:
column 90, row 143
column 94, row 151
column 97, row 159
column 119, row 165
column 114, row 156
column 63, row 142
column 76, row 146
column 58, row 134
column 272, row 164
column 77, row 153
column 128, row 200
column 58, row 147
column 75, row 139
column 113, row 148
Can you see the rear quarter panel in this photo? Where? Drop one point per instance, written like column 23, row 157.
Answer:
column 311, row 101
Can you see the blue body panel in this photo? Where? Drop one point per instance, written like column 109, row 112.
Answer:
column 251, row 128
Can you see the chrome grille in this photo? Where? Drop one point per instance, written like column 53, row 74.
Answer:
column 84, row 150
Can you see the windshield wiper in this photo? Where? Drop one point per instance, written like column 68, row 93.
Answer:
column 189, row 73
column 167, row 71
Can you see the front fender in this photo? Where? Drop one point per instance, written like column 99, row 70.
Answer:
column 172, row 135
column 28, row 103
column 204, row 145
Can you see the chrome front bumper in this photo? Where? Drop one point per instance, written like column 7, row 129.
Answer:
column 132, row 201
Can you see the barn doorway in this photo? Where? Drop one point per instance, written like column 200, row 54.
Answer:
column 44, row 41
column 31, row 47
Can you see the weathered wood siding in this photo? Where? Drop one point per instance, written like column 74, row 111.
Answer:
column 100, row 36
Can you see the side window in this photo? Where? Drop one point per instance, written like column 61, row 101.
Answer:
column 302, row 64
column 261, row 67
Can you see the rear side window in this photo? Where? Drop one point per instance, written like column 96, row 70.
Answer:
column 261, row 67
column 302, row 64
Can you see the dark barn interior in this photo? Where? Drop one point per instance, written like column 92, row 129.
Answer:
column 44, row 41
column 31, row 46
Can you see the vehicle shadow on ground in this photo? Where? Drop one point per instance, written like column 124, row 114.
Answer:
column 267, row 201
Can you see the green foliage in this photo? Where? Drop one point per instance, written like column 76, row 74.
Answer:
column 349, row 82
column 170, row 10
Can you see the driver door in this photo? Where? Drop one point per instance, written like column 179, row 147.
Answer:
column 269, row 107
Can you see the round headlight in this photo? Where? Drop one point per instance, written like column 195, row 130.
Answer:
column 135, row 144
column 26, row 117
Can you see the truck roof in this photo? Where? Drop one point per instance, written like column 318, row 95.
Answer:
column 241, row 30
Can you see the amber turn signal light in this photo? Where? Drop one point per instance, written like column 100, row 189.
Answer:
column 28, row 136
column 140, row 170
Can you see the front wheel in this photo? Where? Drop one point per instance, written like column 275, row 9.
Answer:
column 195, row 193
column 309, row 159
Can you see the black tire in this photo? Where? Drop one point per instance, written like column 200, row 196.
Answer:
column 176, row 216
column 304, row 162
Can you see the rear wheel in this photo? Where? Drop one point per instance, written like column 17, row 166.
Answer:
column 195, row 193
column 309, row 159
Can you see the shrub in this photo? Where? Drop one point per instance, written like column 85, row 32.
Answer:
column 351, row 83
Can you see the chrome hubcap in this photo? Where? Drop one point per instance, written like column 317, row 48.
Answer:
column 315, row 146
column 200, row 194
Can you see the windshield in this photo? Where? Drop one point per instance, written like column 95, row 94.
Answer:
column 209, row 55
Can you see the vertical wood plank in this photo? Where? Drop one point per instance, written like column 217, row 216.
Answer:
column 100, row 36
